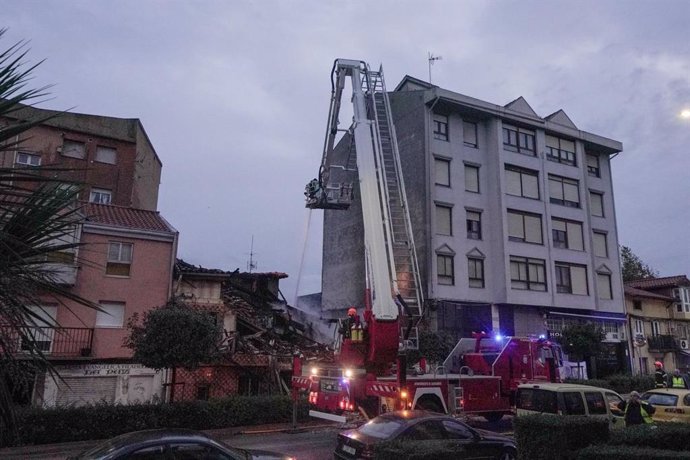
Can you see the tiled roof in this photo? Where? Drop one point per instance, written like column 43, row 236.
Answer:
column 122, row 216
column 659, row 283
column 185, row 268
column 634, row 292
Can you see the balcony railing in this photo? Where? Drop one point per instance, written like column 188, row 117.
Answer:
column 661, row 343
column 54, row 342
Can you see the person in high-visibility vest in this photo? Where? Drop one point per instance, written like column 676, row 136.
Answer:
column 677, row 380
column 636, row 412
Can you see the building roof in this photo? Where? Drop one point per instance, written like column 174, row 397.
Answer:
column 185, row 268
column 122, row 216
column 659, row 283
column 634, row 292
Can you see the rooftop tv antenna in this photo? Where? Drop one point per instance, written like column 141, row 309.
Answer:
column 251, row 265
column 431, row 59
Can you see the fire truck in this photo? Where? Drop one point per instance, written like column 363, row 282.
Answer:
column 370, row 374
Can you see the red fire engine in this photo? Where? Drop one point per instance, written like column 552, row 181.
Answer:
column 371, row 373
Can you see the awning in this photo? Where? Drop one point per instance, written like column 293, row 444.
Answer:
column 605, row 318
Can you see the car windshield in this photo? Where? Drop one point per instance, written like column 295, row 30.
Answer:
column 660, row 399
column 381, row 427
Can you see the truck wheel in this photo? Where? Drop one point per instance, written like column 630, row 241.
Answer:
column 430, row 403
column 493, row 417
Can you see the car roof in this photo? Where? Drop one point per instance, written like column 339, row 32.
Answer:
column 561, row 386
column 164, row 434
column 411, row 415
column 673, row 391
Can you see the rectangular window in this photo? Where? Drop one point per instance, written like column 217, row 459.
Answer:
column 597, row 202
column 600, row 244
column 472, row 178
column 28, row 159
column 469, row 133
column 475, row 270
column 442, row 168
column 474, row 225
column 593, row 165
column 444, row 220
column 440, row 124
column 524, row 227
column 119, row 259
column 74, row 149
column 656, row 328
column 527, row 274
column 522, row 182
column 567, row 234
column 604, row 284
column 113, row 315
column 99, row 195
column 564, row 191
column 560, row 150
column 518, row 140
column 571, row 278
column 639, row 327
column 444, row 266
column 637, row 305
column 106, row 155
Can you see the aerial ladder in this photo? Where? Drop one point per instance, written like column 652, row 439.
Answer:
column 394, row 292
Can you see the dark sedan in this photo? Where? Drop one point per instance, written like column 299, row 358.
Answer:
column 420, row 426
column 172, row 444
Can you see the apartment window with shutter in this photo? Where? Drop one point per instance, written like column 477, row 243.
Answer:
column 522, row 182
column 597, row 202
column 475, row 271
column 527, row 273
column 604, row 285
column 444, row 220
column 106, row 155
column 524, row 227
column 119, row 259
column 469, row 133
column 600, row 244
column 442, row 167
column 445, row 269
column 564, row 191
column 440, row 125
column 518, row 140
column 567, row 234
column 593, row 165
column 472, row 178
column 560, row 150
column 73, row 149
column 571, row 278
column 474, row 225
column 111, row 316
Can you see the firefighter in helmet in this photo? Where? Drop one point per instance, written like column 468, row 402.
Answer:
column 660, row 375
column 351, row 320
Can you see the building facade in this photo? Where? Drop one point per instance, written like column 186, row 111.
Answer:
column 513, row 217
column 658, row 311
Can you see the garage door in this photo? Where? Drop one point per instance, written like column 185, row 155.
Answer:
column 79, row 391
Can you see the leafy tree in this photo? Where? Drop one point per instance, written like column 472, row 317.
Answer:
column 581, row 342
column 174, row 335
column 633, row 267
column 38, row 218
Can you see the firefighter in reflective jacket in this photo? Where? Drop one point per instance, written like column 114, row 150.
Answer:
column 636, row 412
column 677, row 380
column 660, row 375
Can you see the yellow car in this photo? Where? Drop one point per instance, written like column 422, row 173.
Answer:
column 672, row 404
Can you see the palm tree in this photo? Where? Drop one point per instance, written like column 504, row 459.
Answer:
column 38, row 218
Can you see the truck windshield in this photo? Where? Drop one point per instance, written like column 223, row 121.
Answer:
column 536, row 400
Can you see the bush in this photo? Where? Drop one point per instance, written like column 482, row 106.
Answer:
column 620, row 383
column 43, row 426
column 550, row 437
column 629, row 453
column 670, row 436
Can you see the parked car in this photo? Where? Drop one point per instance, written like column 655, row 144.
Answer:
column 569, row 399
column 172, row 444
column 417, row 425
column 672, row 404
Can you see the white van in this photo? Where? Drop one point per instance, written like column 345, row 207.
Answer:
column 569, row 399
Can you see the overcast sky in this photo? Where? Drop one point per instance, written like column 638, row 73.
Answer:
column 234, row 96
